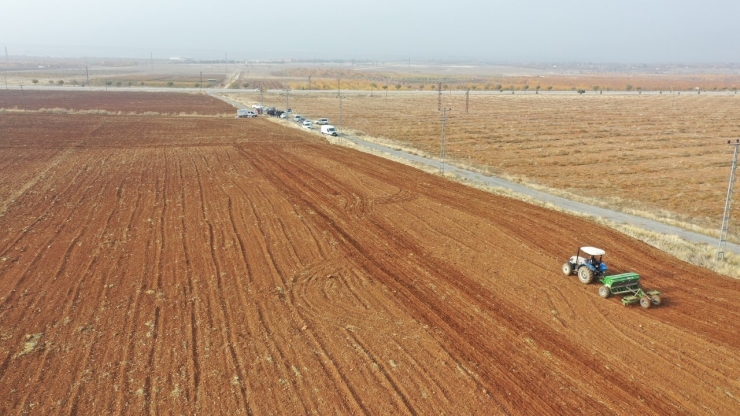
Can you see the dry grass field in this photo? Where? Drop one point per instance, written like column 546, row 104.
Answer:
column 664, row 154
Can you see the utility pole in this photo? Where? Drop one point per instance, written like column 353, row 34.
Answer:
column 201, row 81
column 728, row 204
column 467, row 99
column 443, row 143
column 24, row 98
column 439, row 96
column 151, row 59
column 339, row 94
column 262, row 97
column 87, row 75
column 309, row 82
column 286, row 102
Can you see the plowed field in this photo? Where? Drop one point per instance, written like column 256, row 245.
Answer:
column 126, row 102
column 221, row 266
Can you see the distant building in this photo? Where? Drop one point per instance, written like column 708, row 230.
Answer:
column 181, row 60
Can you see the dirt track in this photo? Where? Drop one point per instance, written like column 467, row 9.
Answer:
column 154, row 264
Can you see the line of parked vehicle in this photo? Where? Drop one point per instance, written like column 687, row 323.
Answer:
column 325, row 128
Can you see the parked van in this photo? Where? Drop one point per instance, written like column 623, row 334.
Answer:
column 328, row 129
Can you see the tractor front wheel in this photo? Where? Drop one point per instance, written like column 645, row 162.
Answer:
column 567, row 269
column 604, row 291
column 645, row 302
column 656, row 300
column 585, row 275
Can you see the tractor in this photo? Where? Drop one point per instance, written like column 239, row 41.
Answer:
column 586, row 267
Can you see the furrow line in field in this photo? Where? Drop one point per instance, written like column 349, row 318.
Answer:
column 39, row 254
column 352, row 401
column 429, row 310
column 134, row 308
column 192, row 293
column 220, row 295
column 393, row 386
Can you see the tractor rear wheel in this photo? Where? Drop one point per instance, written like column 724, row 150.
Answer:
column 656, row 300
column 567, row 269
column 605, row 292
column 585, row 275
column 645, row 302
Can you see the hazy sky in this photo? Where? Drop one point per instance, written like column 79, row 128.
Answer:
column 499, row 31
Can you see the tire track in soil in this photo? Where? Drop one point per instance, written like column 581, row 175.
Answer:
column 351, row 398
column 126, row 365
column 33, row 263
column 71, row 402
column 431, row 313
column 228, row 338
column 38, row 374
column 277, row 273
column 192, row 296
column 269, row 170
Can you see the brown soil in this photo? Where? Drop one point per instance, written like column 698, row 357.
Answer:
column 127, row 102
column 214, row 266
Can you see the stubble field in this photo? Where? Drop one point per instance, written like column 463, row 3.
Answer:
column 662, row 154
column 204, row 265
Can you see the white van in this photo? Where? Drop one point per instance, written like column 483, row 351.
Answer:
column 322, row 121
column 328, row 129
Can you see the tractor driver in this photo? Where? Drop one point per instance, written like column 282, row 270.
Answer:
column 594, row 261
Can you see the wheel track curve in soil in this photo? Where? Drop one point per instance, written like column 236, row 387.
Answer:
column 376, row 268
column 351, row 397
column 614, row 379
column 261, row 162
column 278, row 273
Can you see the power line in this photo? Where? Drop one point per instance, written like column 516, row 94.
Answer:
column 439, row 96
column 443, row 141
column 728, row 205
column 339, row 94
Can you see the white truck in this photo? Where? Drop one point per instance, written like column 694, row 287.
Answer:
column 328, row 129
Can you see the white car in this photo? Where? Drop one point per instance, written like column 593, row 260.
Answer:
column 284, row 115
column 322, row 121
column 245, row 114
column 307, row 124
column 297, row 117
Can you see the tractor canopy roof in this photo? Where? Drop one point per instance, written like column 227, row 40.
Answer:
column 593, row 251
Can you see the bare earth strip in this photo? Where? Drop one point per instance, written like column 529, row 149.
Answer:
column 114, row 101
column 232, row 267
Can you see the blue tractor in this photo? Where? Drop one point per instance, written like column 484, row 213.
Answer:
column 586, row 267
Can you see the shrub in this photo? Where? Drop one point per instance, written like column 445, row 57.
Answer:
column 35, row 81
column 170, row 83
